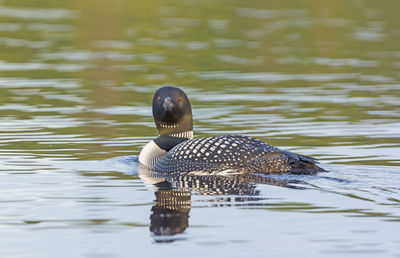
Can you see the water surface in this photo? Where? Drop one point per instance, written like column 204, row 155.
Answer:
column 76, row 82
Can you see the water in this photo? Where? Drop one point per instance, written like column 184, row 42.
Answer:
column 76, row 82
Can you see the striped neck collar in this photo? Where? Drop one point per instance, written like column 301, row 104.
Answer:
column 187, row 134
column 168, row 141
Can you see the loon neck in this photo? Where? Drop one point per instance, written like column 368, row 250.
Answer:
column 188, row 135
column 168, row 141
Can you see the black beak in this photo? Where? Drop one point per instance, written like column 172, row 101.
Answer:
column 168, row 105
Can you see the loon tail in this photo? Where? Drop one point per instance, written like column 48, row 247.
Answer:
column 278, row 162
column 305, row 165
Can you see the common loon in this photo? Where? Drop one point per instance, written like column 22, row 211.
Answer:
column 175, row 150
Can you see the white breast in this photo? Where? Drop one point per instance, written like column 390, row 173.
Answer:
column 150, row 154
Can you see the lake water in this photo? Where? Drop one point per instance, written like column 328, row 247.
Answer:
column 317, row 78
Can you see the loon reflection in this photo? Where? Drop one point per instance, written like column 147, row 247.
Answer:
column 170, row 214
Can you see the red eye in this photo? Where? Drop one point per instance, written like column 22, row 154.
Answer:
column 180, row 99
column 158, row 99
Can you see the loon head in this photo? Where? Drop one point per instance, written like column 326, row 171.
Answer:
column 172, row 112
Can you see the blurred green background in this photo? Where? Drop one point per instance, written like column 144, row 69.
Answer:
column 299, row 74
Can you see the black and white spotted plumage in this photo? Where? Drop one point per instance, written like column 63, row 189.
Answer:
column 228, row 154
column 174, row 151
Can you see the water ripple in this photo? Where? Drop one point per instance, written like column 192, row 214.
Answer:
column 37, row 14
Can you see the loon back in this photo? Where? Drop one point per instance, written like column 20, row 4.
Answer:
column 232, row 154
column 175, row 150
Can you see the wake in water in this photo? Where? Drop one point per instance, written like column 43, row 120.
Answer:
column 379, row 185
column 374, row 180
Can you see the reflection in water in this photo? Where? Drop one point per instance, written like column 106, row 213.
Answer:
column 170, row 213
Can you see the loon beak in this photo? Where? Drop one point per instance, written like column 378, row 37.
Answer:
column 168, row 105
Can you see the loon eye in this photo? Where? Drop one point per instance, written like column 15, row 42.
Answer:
column 158, row 99
column 180, row 99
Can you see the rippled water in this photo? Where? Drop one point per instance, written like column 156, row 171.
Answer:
column 76, row 81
